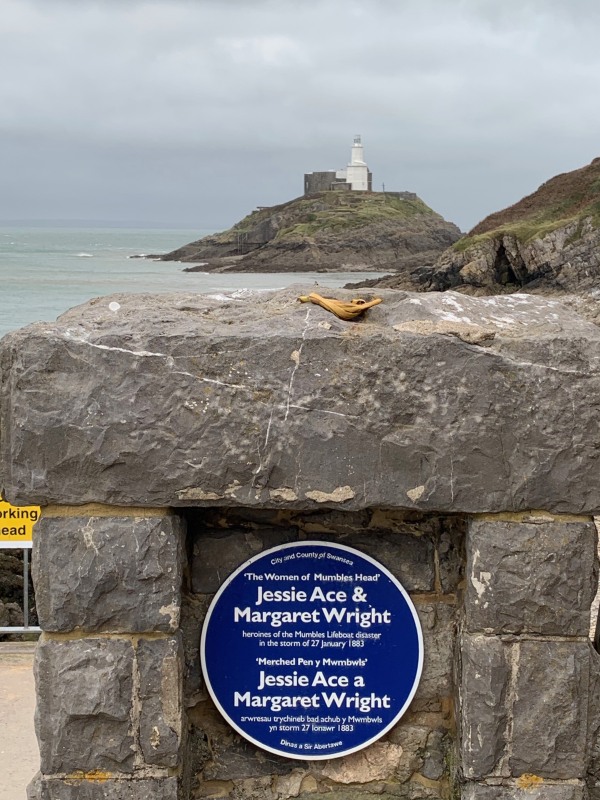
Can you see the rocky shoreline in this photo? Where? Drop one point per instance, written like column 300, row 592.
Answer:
column 327, row 232
column 548, row 241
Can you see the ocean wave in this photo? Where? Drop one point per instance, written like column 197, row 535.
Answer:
column 222, row 298
column 85, row 255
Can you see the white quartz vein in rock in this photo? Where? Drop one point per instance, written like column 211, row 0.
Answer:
column 84, row 340
column 296, row 358
column 170, row 360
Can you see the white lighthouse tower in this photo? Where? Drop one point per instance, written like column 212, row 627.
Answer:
column 355, row 177
column 357, row 172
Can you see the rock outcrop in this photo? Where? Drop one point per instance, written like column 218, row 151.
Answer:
column 550, row 240
column 452, row 403
column 330, row 231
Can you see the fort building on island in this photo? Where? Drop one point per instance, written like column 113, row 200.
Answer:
column 355, row 177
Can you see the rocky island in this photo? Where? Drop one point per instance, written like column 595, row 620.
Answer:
column 547, row 242
column 330, row 231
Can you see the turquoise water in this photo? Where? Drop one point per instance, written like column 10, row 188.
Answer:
column 45, row 271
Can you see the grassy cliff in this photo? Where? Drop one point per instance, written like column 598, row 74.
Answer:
column 327, row 231
column 548, row 241
column 564, row 199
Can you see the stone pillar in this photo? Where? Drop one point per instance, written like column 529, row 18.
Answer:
column 108, row 665
column 527, row 666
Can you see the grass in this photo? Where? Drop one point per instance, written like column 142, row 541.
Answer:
column 332, row 212
column 336, row 213
column 533, row 228
column 568, row 198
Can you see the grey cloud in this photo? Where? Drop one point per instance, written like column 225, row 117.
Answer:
column 216, row 105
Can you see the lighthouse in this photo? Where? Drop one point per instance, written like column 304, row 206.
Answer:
column 357, row 172
column 354, row 177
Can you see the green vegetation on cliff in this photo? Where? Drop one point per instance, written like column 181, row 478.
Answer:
column 566, row 198
column 331, row 212
column 329, row 231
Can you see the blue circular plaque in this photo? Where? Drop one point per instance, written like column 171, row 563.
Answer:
column 312, row 650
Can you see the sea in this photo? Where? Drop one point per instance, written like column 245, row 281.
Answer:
column 44, row 271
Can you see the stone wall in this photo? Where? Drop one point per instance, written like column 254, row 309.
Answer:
column 11, row 593
column 528, row 671
column 108, row 666
column 507, row 706
column 201, row 430
column 415, row 759
column 122, row 709
column 433, row 403
column 315, row 182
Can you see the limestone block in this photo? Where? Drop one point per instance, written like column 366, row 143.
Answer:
column 231, row 756
column 159, row 664
column 238, row 759
column 118, row 574
column 193, row 612
column 483, row 689
column 451, row 553
column 530, row 578
column 375, row 763
column 409, row 558
column 329, row 520
column 412, row 740
column 435, row 402
column 435, row 765
column 417, row 789
column 593, row 788
column 218, row 553
column 438, row 622
column 84, row 705
column 43, row 788
column 593, row 778
column 550, row 710
column 543, row 791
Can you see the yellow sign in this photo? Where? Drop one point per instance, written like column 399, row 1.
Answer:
column 16, row 524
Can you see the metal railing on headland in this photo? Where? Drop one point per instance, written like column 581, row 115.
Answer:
column 26, row 627
column 16, row 533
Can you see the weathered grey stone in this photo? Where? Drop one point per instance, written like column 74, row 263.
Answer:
column 413, row 740
column 451, row 553
column 531, row 578
column 159, row 663
column 593, row 777
column 478, row 791
column 550, row 710
column 84, row 705
column 408, row 558
column 375, row 763
column 340, row 523
column 193, row 612
column 231, row 756
column 593, row 788
column 375, row 791
column 483, row 688
column 434, row 765
column 44, row 788
column 218, row 553
column 119, row 574
column 438, row 622
column 195, row 400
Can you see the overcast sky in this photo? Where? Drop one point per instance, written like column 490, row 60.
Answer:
column 193, row 112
